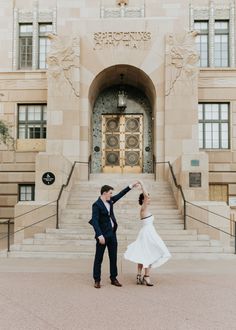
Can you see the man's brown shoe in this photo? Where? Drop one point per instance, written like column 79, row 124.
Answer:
column 97, row 285
column 116, row 282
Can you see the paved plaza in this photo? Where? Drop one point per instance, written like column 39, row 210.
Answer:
column 59, row 294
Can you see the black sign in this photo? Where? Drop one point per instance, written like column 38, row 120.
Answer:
column 48, row 178
column 195, row 179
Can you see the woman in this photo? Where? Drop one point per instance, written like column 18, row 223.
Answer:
column 148, row 251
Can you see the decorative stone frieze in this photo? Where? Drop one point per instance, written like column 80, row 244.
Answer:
column 182, row 58
column 44, row 16
column 201, row 13
column 25, row 16
column 122, row 11
column 64, row 61
column 222, row 13
column 219, row 13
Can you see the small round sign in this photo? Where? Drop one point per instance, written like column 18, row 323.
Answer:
column 48, row 178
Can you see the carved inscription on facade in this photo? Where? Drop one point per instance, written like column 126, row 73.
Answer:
column 121, row 39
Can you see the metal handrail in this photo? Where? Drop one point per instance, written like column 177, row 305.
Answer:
column 202, row 208
column 66, row 184
column 185, row 202
column 8, row 236
column 179, row 187
column 8, row 222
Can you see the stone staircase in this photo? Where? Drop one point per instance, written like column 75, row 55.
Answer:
column 75, row 238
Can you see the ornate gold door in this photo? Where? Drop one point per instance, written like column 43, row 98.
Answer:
column 122, row 137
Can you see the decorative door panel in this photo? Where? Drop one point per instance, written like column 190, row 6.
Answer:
column 122, row 137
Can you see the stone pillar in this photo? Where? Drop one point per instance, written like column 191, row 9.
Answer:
column 63, row 115
column 181, row 116
column 181, row 96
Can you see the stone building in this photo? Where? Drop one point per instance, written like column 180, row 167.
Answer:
column 118, row 86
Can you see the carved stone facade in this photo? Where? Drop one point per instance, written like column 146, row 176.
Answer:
column 122, row 11
column 64, row 62
column 181, row 59
column 160, row 72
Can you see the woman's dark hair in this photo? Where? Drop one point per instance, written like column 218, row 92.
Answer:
column 141, row 198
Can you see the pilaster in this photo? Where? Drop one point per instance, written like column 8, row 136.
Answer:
column 15, row 39
column 35, row 36
column 232, row 34
column 211, row 33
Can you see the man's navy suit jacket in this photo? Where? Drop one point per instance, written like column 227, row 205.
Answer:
column 101, row 218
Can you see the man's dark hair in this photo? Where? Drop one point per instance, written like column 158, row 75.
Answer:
column 106, row 188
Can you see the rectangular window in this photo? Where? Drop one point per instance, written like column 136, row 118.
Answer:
column 25, row 46
column 213, row 125
column 44, row 43
column 32, row 121
column 221, row 55
column 202, row 41
column 26, row 192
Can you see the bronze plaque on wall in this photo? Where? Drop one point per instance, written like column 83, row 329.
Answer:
column 195, row 179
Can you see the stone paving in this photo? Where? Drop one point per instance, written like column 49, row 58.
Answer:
column 59, row 294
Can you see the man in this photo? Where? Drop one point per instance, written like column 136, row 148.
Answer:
column 105, row 226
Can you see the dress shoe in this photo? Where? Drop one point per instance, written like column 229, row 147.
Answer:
column 97, row 284
column 116, row 282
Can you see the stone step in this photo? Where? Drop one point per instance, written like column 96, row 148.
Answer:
column 75, row 238
column 128, row 211
column 125, row 207
column 88, row 241
column 89, row 247
column 90, row 256
column 125, row 227
column 133, row 222
column 75, row 214
column 128, row 237
column 119, row 176
column 164, row 231
column 88, row 203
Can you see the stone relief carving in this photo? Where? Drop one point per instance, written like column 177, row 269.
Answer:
column 64, row 61
column 182, row 57
column 222, row 13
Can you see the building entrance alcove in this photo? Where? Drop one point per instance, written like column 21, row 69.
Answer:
column 122, row 134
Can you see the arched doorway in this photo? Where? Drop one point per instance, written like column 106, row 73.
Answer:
column 122, row 138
